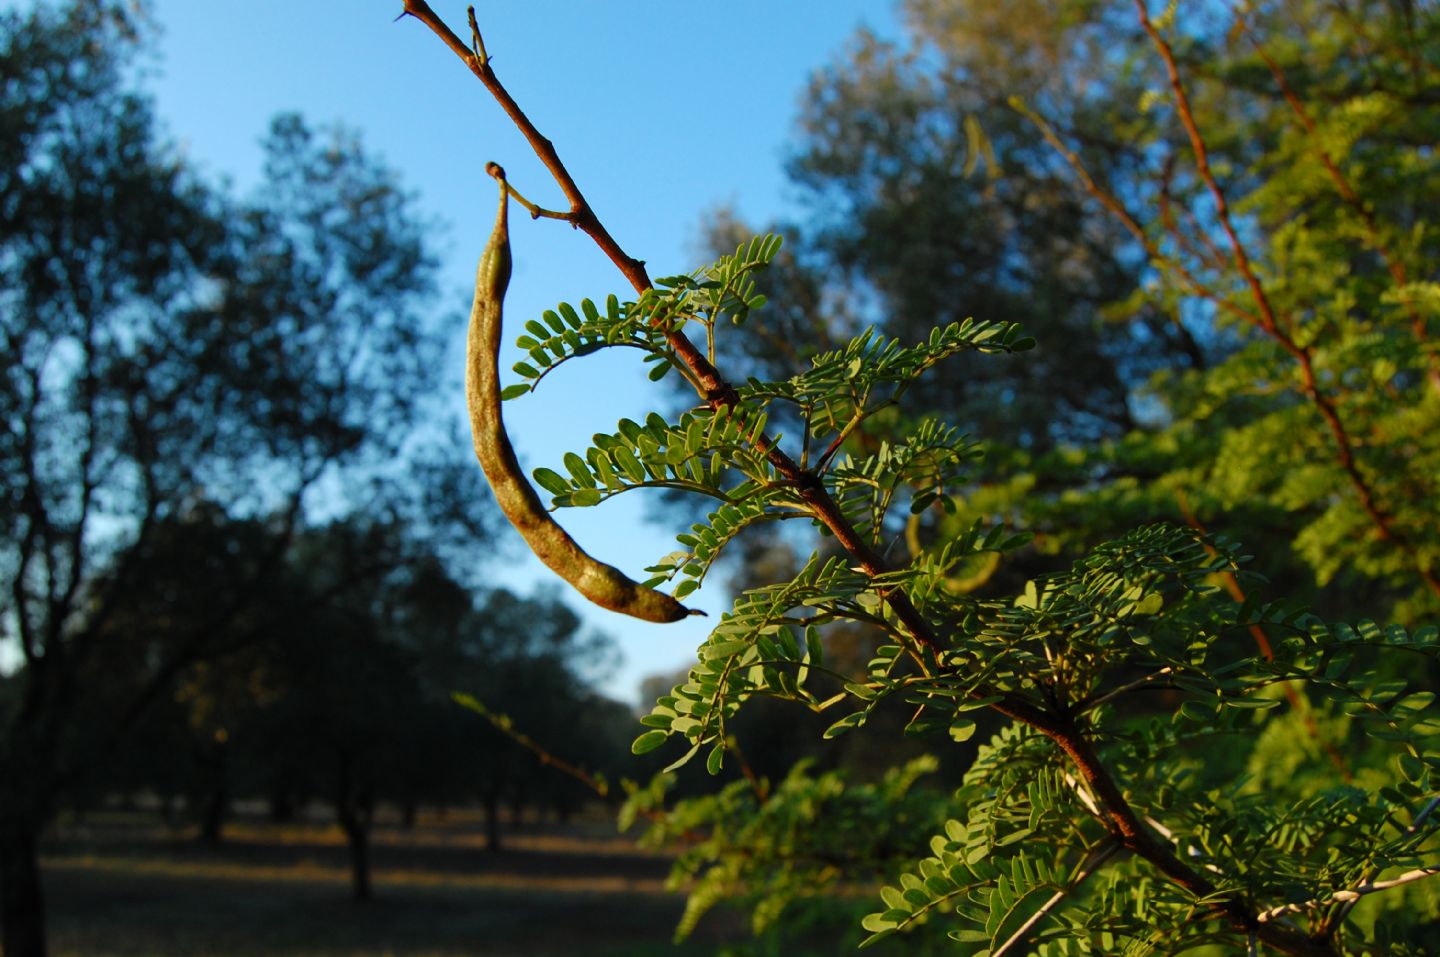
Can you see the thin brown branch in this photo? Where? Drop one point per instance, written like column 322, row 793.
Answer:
column 1262, row 641
column 505, row 726
column 714, row 389
column 1130, row 686
column 1120, row 818
column 758, row 785
column 1342, row 185
column 581, row 214
column 1210, row 257
column 1232, row 587
column 1268, row 320
column 1349, row 895
column 1089, row 866
column 1118, row 210
column 1118, row 814
column 1267, row 315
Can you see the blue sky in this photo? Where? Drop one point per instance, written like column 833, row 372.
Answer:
column 661, row 110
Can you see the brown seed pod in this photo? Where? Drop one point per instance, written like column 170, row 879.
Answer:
column 602, row 584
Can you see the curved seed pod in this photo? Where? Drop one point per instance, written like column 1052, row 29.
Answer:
column 602, row 584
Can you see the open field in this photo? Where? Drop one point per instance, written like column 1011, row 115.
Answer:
column 126, row 886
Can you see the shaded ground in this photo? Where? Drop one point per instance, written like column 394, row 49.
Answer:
column 123, row 886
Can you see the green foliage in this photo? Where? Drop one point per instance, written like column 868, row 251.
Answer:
column 1090, row 825
column 781, row 848
column 183, row 368
column 1219, row 234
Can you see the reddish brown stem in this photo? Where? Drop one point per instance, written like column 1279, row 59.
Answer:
column 1262, row 642
column 505, row 726
column 758, row 786
column 1132, row 226
column 1122, row 822
column 1121, row 818
column 1211, row 256
column 714, row 389
column 1141, row 841
column 1269, row 322
column 1393, row 265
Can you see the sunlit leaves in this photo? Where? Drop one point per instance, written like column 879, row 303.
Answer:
column 723, row 290
column 706, row 452
column 1138, row 625
column 843, row 382
column 566, row 333
column 771, row 845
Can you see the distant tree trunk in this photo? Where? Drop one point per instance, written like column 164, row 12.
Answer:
column 22, row 903
column 212, row 819
column 492, row 821
column 282, row 806
column 408, row 812
column 214, row 796
column 517, row 809
column 358, row 837
column 355, row 810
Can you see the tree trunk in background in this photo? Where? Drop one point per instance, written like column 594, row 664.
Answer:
column 355, row 810
column 358, row 838
column 212, row 820
column 22, row 904
column 517, row 810
column 282, row 807
column 492, row 821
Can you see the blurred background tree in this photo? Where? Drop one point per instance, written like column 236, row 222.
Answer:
column 1033, row 164
column 229, row 498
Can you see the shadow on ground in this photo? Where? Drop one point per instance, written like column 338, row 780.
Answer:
column 117, row 887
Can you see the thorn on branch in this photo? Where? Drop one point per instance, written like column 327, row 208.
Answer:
column 537, row 211
column 477, row 43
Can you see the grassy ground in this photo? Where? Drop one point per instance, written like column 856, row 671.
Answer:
column 125, row 886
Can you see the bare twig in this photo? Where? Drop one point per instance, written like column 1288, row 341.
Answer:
column 1209, row 257
column 1129, row 686
column 1132, row 226
column 714, row 389
column 1089, row 866
column 505, row 726
column 1349, row 895
column 758, row 785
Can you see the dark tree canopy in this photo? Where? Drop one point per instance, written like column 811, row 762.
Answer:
column 191, row 378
